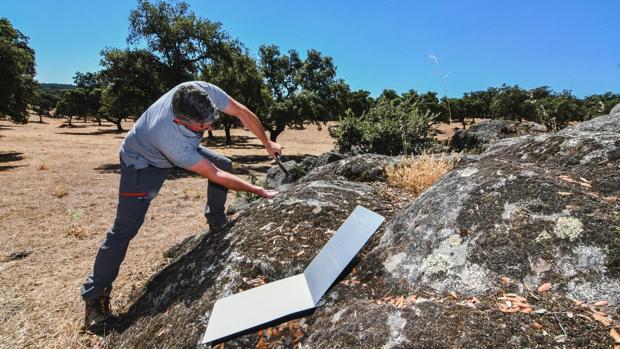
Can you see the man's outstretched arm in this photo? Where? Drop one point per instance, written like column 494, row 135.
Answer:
column 252, row 122
column 206, row 169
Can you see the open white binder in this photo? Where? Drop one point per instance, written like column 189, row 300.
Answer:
column 260, row 305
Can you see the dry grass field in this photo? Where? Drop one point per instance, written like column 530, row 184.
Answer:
column 58, row 196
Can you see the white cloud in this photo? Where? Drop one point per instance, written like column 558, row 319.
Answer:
column 434, row 58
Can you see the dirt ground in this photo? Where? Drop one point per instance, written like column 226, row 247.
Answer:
column 57, row 198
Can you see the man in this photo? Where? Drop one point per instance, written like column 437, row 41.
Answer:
column 168, row 134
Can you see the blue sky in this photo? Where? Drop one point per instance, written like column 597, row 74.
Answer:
column 443, row 46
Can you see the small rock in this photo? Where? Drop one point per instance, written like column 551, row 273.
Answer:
column 17, row 255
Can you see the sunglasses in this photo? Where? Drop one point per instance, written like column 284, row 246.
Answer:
column 203, row 126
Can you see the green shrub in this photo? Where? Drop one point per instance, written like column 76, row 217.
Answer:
column 385, row 129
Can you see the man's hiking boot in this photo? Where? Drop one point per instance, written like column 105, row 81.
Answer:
column 98, row 317
column 214, row 228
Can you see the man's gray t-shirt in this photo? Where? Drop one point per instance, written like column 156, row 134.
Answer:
column 157, row 141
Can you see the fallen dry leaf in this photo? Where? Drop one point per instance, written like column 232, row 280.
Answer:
column 604, row 320
column 505, row 280
column 594, row 311
column 526, row 310
column 584, row 180
column 544, row 287
column 261, row 344
column 411, row 299
column 585, row 185
column 615, row 335
column 567, row 179
column 564, row 193
column 505, row 309
column 601, row 303
column 536, row 325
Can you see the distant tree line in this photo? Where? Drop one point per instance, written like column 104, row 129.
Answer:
column 169, row 44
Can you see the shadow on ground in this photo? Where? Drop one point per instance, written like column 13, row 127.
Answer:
column 93, row 133
column 10, row 156
column 238, row 142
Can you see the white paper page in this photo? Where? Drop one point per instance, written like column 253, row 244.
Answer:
column 257, row 306
column 340, row 250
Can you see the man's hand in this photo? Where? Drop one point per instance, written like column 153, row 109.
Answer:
column 266, row 193
column 273, row 148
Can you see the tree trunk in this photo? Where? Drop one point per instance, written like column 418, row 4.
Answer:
column 227, row 132
column 70, row 118
column 119, row 127
column 273, row 134
column 210, row 135
column 41, row 118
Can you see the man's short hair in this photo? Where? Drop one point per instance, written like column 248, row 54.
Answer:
column 192, row 103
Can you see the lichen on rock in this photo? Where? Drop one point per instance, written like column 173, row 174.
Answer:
column 568, row 228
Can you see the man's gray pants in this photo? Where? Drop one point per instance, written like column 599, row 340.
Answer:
column 136, row 191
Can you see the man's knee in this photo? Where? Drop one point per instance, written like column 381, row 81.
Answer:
column 123, row 230
column 227, row 165
column 223, row 163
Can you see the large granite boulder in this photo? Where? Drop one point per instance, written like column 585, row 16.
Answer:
column 534, row 208
column 529, row 210
column 359, row 168
column 480, row 135
column 276, row 179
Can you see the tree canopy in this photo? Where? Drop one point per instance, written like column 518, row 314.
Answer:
column 17, row 70
column 303, row 90
column 131, row 83
column 181, row 41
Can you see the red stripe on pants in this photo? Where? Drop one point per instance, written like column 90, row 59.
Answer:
column 132, row 194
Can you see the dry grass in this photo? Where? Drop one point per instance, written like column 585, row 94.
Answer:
column 60, row 191
column 191, row 194
column 418, row 173
column 41, row 166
